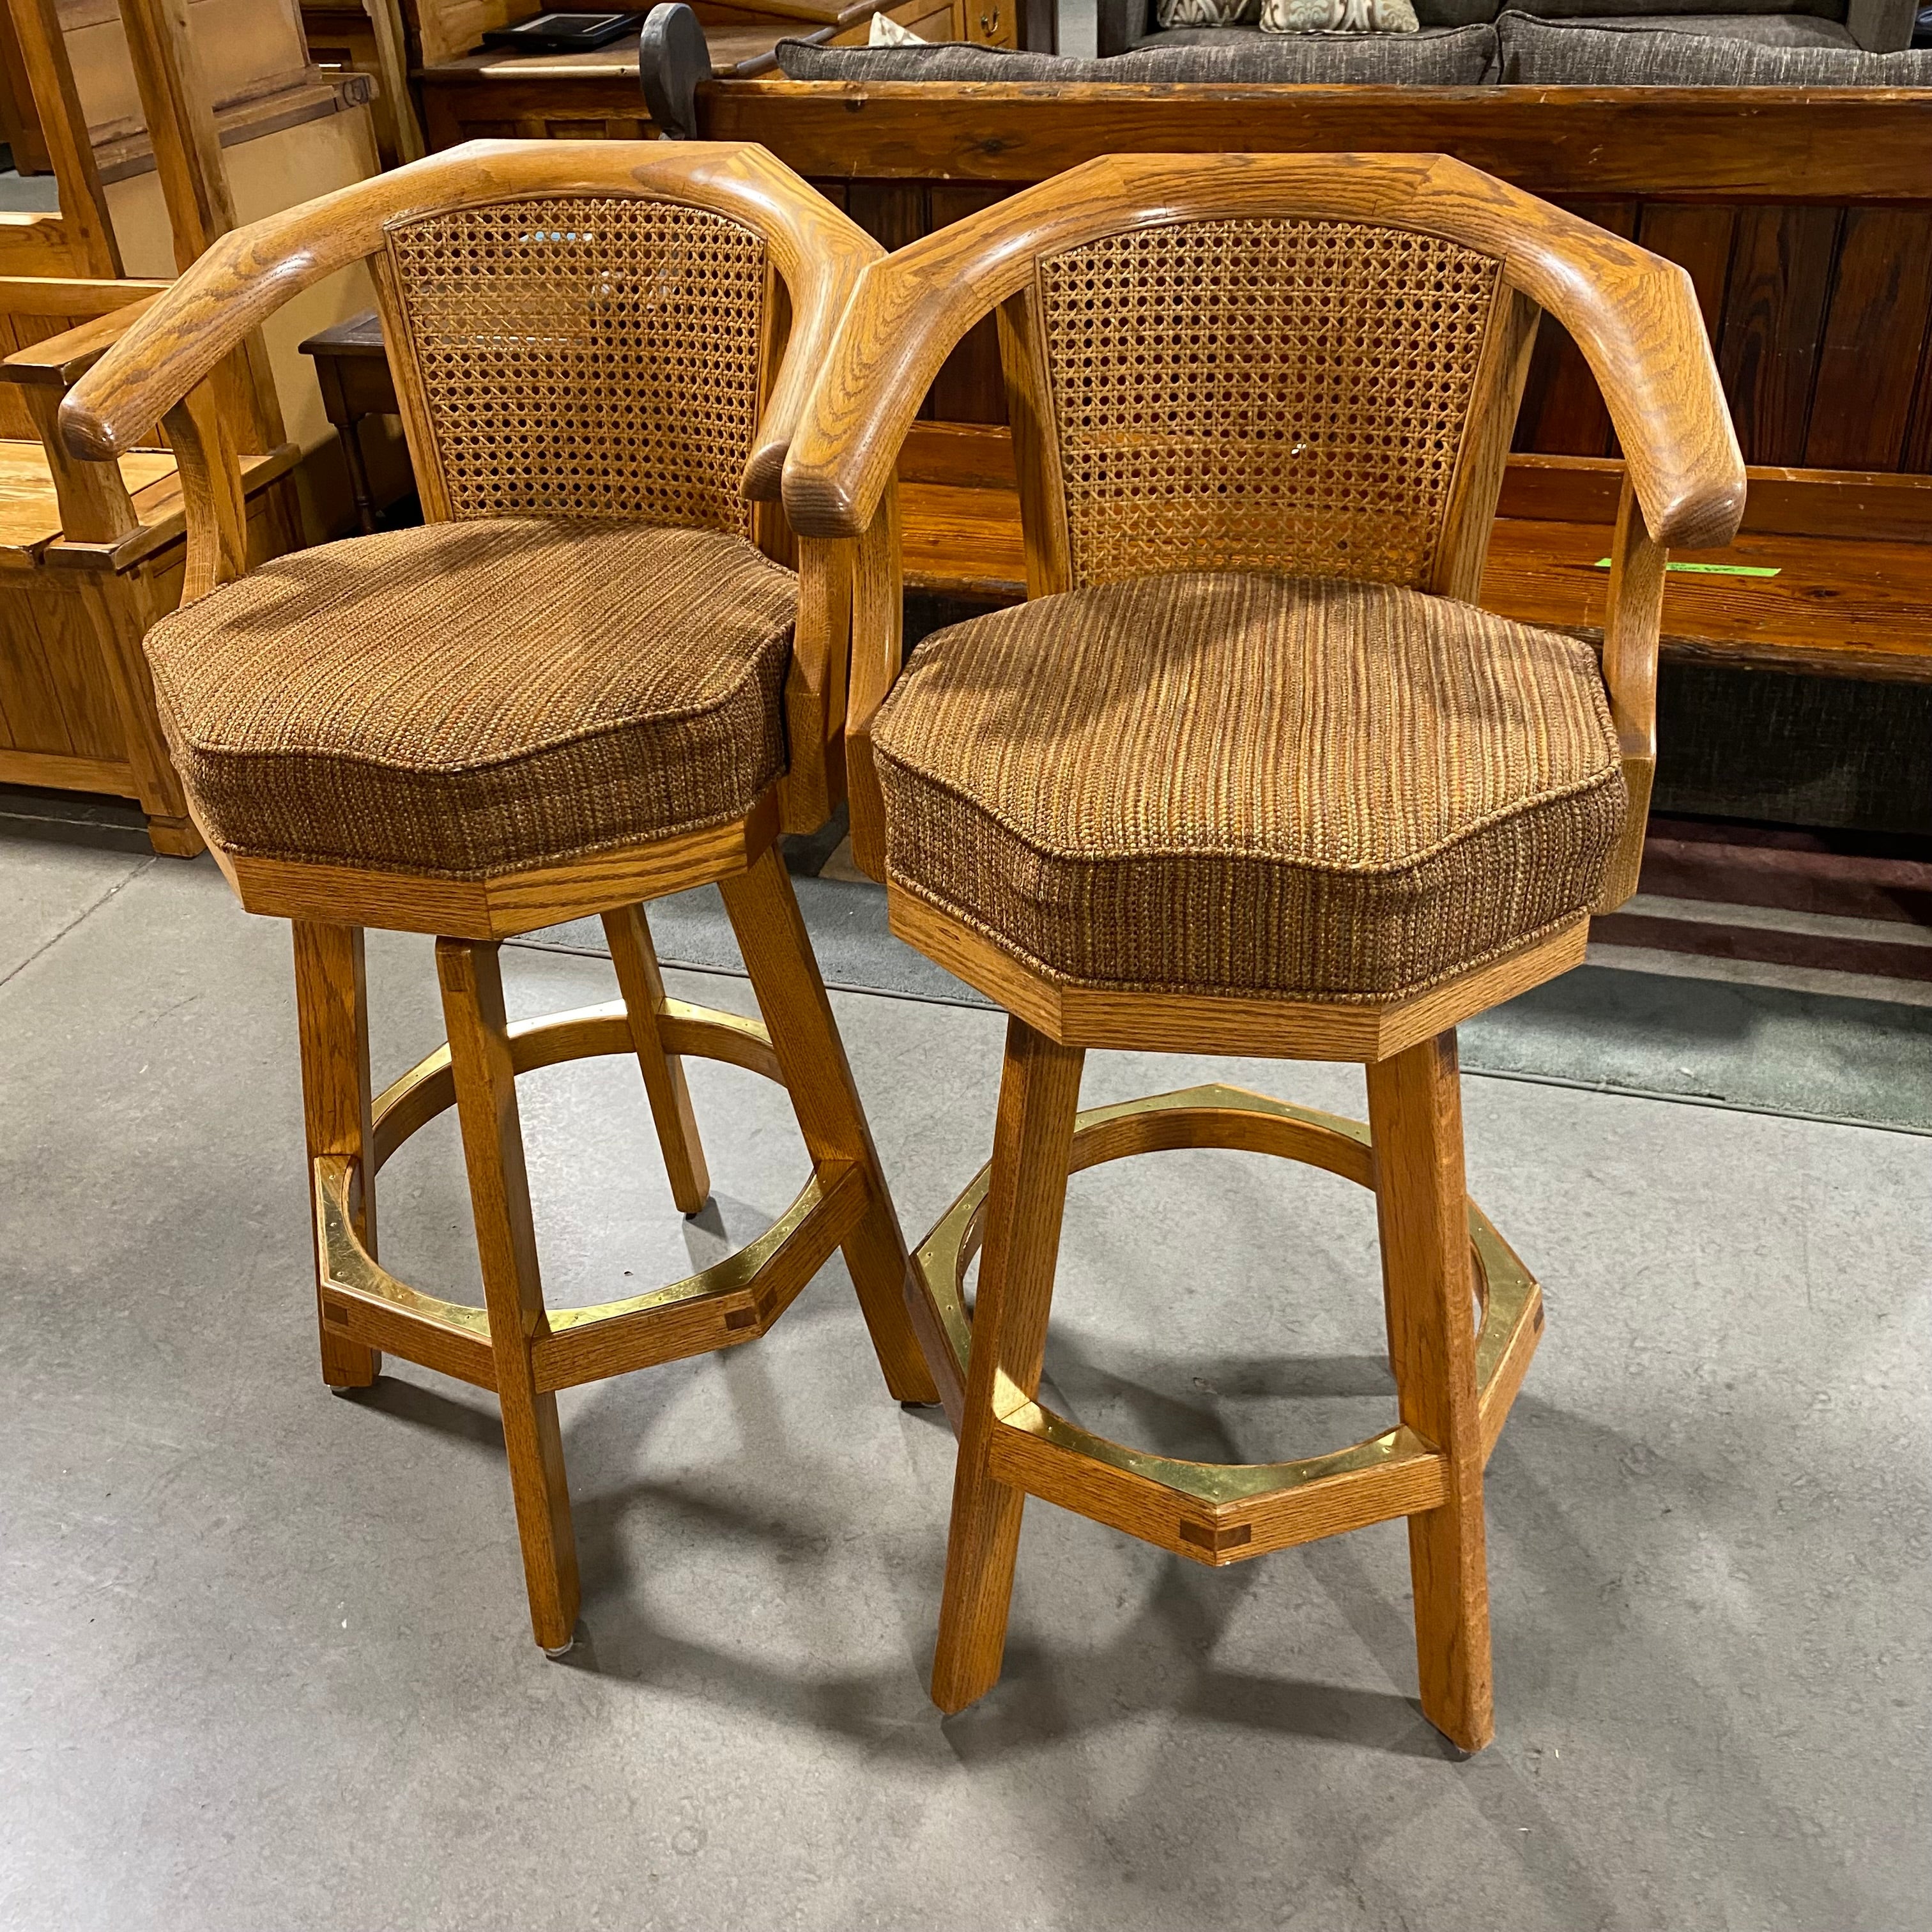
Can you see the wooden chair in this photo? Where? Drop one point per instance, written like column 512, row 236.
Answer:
column 589, row 680
column 1250, row 774
column 90, row 557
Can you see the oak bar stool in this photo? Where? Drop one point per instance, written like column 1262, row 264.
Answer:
column 1250, row 773
column 591, row 678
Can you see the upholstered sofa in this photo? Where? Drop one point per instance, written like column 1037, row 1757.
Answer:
column 1520, row 47
column 1878, row 26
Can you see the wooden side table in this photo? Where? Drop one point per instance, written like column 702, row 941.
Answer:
column 352, row 370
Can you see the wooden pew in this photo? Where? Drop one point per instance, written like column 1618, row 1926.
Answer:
column 92, row 554
column 1804, row 219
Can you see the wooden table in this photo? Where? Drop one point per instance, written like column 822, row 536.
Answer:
column 351, row 369
column 494, row 94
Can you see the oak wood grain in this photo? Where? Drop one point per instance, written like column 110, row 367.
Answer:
column 500, row 1194
column 1416, row 1120
column 1039, row 1095
column 784, row 975
column 642, row 985
column 1733, row 145
column 332, row 1020
column 1184, row 1022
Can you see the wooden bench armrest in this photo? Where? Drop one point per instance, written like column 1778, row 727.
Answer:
column 59, row 361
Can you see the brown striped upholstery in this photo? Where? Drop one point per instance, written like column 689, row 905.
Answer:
column 1253, row 784
column 475, row 697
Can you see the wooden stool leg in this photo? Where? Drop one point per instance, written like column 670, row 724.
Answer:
column 499, row 1196
column 791, row 995
column 1415, row 1118
column 332, row 1017
column 1039, row 1095
column 642, row 985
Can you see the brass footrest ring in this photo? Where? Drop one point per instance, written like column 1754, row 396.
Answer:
column 735, row 1299
column 1220, row 1513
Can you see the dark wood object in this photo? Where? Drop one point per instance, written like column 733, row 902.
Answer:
column 1804, row 221
column 351, row 370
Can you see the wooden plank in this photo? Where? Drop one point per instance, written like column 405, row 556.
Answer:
column 64, row 127
column 1773, row 315
column 1741, row 145
column 1874, row 340
column 1697, row 236
column 1563, row 410
column 29, row 694
column 1836, row 606
column 1917, row 453
column 1869, row 506
column 39, row 244
column 1415, row 1115
column 78, row 675
column 892, row 212
column 1845, row 602
column 55, row 772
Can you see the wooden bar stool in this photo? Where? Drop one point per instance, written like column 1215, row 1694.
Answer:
column 592, row 678
column 1250, row 773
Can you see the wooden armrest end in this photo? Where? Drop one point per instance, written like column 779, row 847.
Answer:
column 61, row 361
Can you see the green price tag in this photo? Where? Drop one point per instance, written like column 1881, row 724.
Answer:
column 1712, row 569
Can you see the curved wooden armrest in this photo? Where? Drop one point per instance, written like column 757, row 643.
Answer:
column 249, row 274
column 1634, row 315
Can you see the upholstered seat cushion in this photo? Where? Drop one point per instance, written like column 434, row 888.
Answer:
column 1251, row 785
column 475, row 697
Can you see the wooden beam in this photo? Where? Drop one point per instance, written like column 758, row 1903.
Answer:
column 1685, row 144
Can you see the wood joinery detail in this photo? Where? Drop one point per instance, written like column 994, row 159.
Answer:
column 1220, row 1514
column 735, row 1300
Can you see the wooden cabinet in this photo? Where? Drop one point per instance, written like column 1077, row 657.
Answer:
column 989, row 23
column 481, row 95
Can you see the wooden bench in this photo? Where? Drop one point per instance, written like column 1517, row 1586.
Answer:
column 1804, row 218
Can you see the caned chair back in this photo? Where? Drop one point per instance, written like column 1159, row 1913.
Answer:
column 1306, row 363
column 577, row 328
column 1267, row 394
column 581, row 355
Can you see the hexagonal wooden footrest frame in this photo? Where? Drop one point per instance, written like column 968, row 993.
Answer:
column 1220, row 1513
column 735, row 1299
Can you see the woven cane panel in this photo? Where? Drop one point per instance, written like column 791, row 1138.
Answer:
column 587, row 357
column 1261, row 395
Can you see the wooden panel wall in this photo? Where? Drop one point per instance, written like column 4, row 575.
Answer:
column 1821, row 318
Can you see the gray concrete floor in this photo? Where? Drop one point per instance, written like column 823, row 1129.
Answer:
column 266, row 1662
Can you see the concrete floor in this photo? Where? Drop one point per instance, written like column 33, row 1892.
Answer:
column 266, row 1662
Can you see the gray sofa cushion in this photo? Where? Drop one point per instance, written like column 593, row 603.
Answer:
column 1881, row 26
column 1120, row 26
column 1440, row 57
column 1548, row 53
column 1764, row 30
column 1650, row 13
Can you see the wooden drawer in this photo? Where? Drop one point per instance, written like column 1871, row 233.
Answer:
column 991, row 23
column 930, row 19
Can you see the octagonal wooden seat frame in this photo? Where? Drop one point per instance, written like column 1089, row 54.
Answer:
column 513, row 1346
column 1636, row 319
